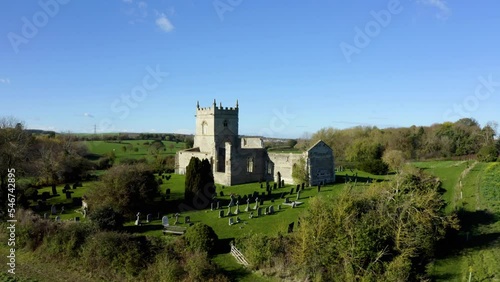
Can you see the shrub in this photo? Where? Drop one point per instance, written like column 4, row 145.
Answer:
column 68, row 240
column 107, row 219
column 374, row 166
column 201, row 237
column 488, row 153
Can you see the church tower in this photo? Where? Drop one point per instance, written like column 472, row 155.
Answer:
column 216, row 126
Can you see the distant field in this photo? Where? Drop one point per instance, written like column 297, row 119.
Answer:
column 133, row 149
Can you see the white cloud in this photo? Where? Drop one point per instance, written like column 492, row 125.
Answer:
column 88, row 115
column 5, row 80
column 163, row 23
column 444, row 12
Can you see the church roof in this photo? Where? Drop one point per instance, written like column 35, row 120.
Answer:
column 318, row 143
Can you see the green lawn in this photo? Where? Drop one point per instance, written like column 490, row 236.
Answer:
column 478, row 251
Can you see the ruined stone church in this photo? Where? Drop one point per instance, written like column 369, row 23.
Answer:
column 237, row 160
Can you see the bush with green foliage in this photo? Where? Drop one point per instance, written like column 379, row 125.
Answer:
column 299, row 172
column 488, row 153
column 201, row 237
column 374, row 166
column 107, row 219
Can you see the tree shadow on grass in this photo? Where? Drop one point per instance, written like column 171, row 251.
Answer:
column 467, row 237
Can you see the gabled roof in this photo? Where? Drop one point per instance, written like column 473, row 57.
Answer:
column 318, row 143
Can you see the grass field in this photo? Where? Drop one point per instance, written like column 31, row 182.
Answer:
column 477, row 248
column 133, row 149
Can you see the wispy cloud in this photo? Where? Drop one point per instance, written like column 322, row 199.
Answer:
column 5, row 80
column 444, row 12
column 88, row 115
column 164, row 23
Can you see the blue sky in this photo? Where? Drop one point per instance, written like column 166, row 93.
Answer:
column 294, row 66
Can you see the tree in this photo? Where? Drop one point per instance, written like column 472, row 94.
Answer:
column 488, row 153
column 107, row 219
column 291, row 143
column 299, row 172
column 126, row 189
column 199, row 184
column 394, row 159
column 201, row 237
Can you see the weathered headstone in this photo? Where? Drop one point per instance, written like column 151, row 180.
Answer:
column 164, row 221
column 45, row 216
column 167, row 194
column 68, row 195
column 275, row 186
column 238, row 219
column 54, row 190
column 250, row 215
column 303, row 185
column 138, row 219
column 287, row 200
column 291, row 191
column 282, row 182
column 212, row 206
column 297, row 189
column 271, row 209
column 279, row 207
column 77, row 219
column 256, row 203
column 319, row 188
column 282, row 195
column 221, row 214
column 53, row 209
column 228, row 211
column 176, row 218
column 187, row 219
column 259, row 211
column 58, row 219
column 248, row 205
column 279, row 180
column 231, row 221
column 237, row 211
column 233, row 201
column 62, row 209
column 298, row 196
column 221, row 194
column 149, row 218
column 218, row 205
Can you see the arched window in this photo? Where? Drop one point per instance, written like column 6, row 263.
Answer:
column 204, row 128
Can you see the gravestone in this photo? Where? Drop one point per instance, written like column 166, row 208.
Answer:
column 58, row 219
column 212, row 206
column 138, row 220
column 232, row 202
column 176, row 218
column 187, row 219
column 238, row 219
column 298, row 196
column 164, row 221
column 297, row 189
column 290, row 227
column 250, row 215
column 45, row 216
column 256, row 203
column 62, row 209
column 84, row 212
column 279, row 207
column 237, row 211
column 221, row 214
column 53, row 209
column 54, row 190
column 287, row 200
column 228, row 211
column 319, row 188
column 77, row 219
column 303, row 185
column 261, row 202
column 282, row 195
column 221, row 194
column 167, row 194
column 271, row 210
column 75, row 185
column 231, row 221
column 149, row 218
column 282, row 182
column 259, row 211
column 291, row 191
column 248, row 205
column 279, row 180
column 68, row 195
column 218, row 205
column 275, row 185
